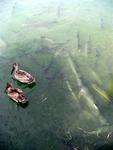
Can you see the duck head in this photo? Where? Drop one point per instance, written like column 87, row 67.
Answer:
column 15, row 67
column 9, row 85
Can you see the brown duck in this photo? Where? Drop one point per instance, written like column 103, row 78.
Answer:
column 22, row 75
column 16, row 94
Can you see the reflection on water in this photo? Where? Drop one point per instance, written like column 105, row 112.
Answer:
column 67, row 46
column 25, row 85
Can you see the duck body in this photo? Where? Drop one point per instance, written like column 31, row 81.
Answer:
column 16, row 94
column 22, row 75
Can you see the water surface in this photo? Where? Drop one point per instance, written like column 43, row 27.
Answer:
column 68, row 48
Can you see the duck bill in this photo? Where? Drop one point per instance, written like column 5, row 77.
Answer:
column 12, row 70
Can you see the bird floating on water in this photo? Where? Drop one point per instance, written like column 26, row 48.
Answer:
column 22, row 75
column 16, row 94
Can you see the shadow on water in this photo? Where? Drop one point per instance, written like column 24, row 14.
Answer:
column 106, row 147
column 24, row 85
column 23, row 105
column 20, row 104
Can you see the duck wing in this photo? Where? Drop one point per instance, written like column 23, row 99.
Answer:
column 23, row 76
column 22, row 73
column 19, row 91
column 18, row 96
column 14, row 96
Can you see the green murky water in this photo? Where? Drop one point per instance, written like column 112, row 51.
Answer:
column 68, row 47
